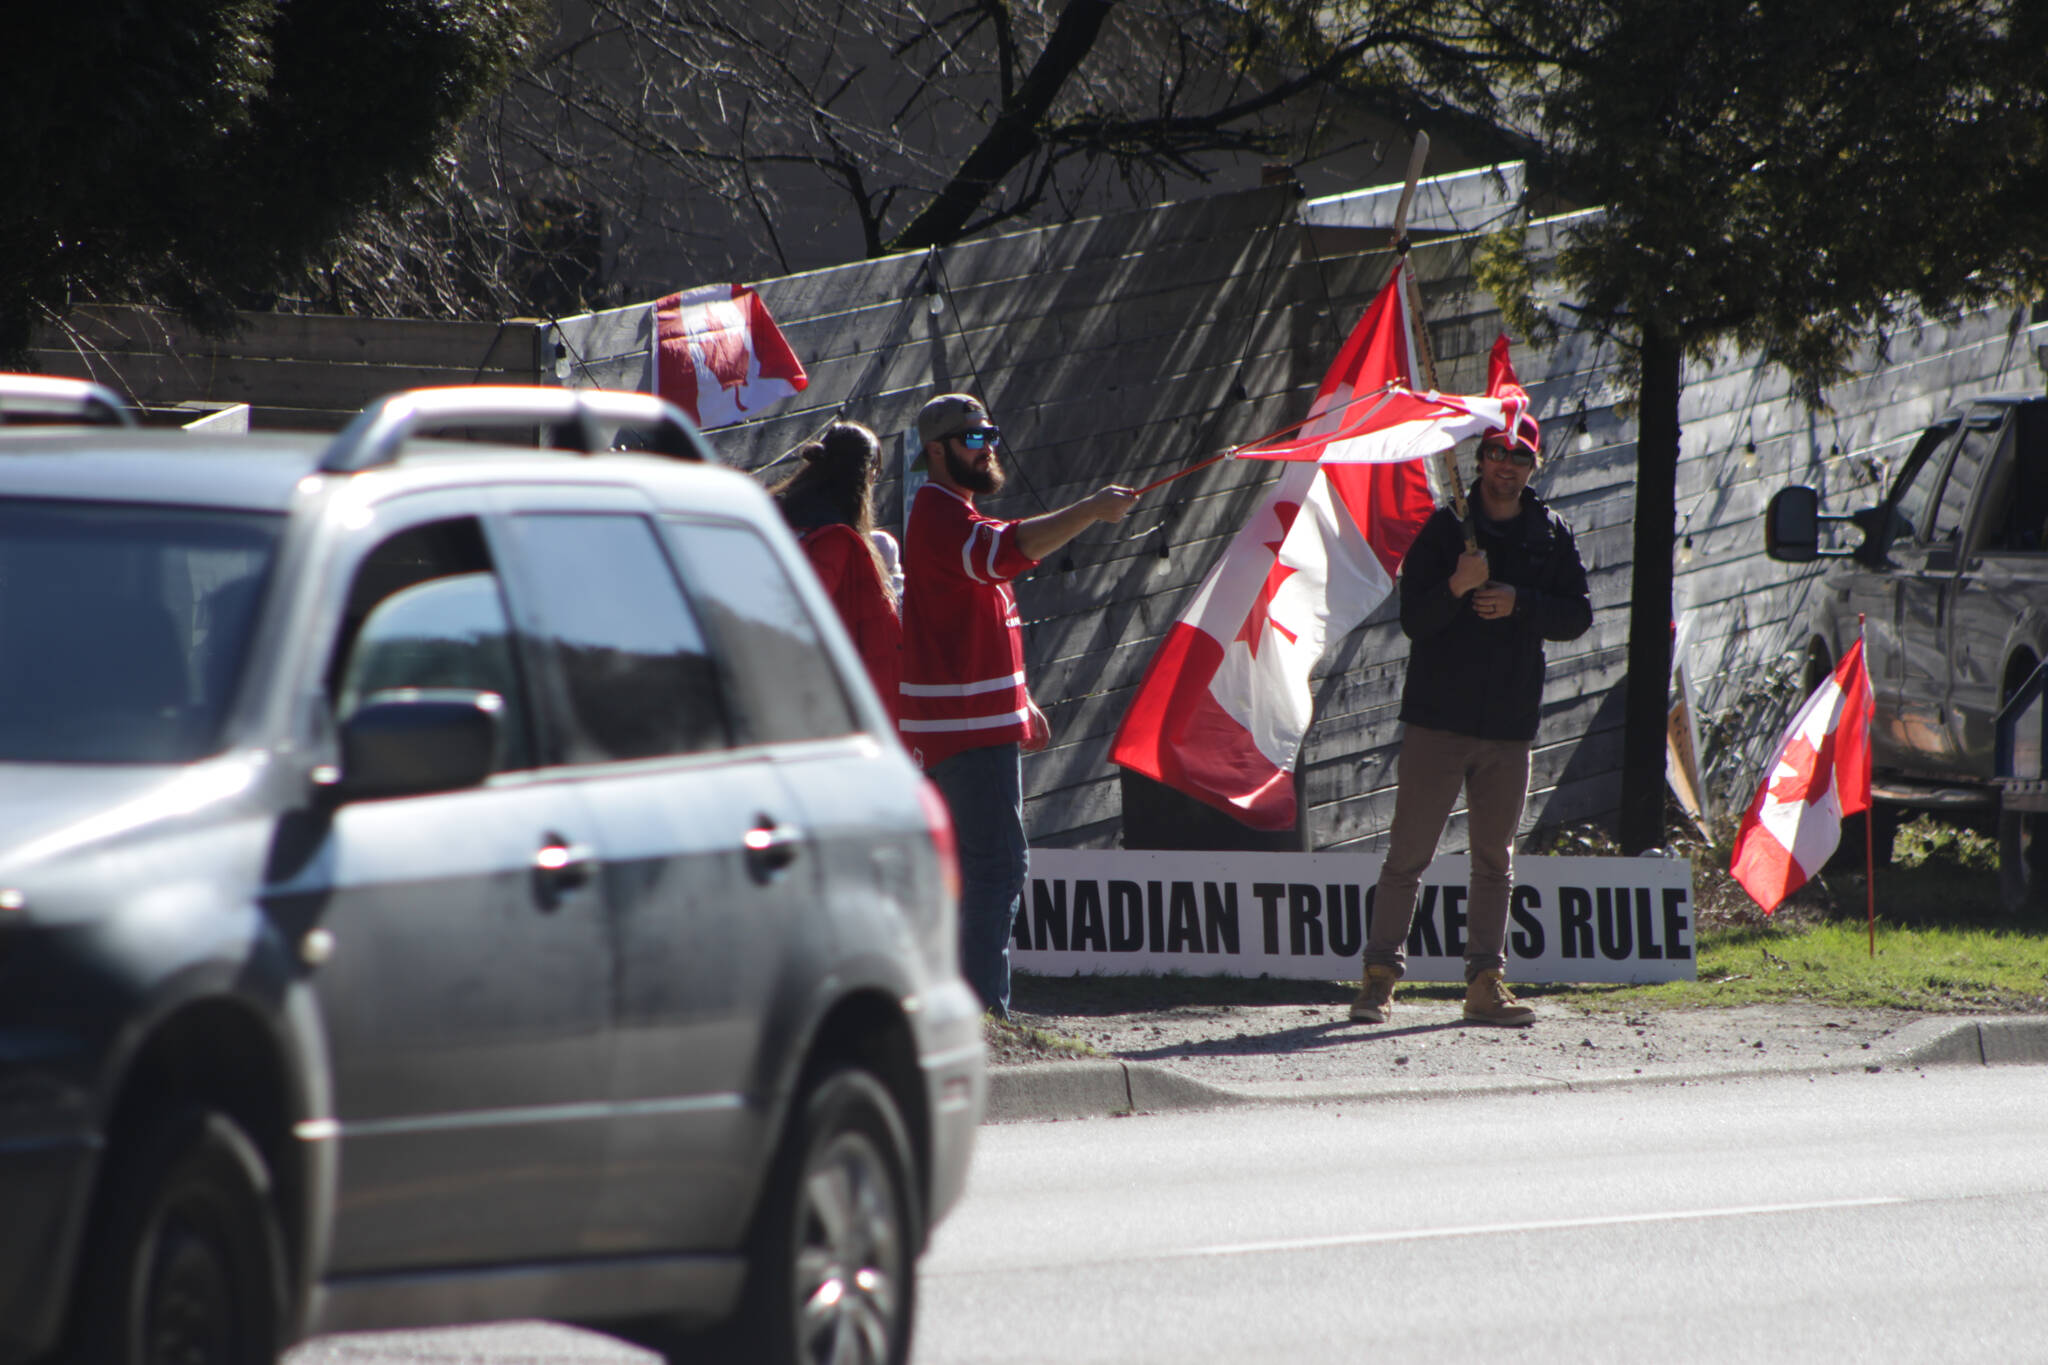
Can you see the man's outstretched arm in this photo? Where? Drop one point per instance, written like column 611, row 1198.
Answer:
column 1039, row 536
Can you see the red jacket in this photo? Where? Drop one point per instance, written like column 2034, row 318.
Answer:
column 846, row 566
column 963, row 646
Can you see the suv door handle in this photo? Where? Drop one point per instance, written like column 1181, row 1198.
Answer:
column 771, row 846
column 559, row 866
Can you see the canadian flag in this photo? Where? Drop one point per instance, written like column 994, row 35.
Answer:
column 1224, row 707
column 1820, row 773
column 1394, row 423
column 718, row 355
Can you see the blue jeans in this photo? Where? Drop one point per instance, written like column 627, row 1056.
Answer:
column 984, row 791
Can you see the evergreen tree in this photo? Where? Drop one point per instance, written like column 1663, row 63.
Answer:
column 1791, row 175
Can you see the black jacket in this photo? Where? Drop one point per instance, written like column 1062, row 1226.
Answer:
column 1485, row 678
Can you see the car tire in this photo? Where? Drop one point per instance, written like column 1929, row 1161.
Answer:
column 2023, row 861
column 832, row 1264
column 185, row 1265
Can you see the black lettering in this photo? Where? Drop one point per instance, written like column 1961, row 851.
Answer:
column 1575, row 921
column 1048, row 916
column 1155, row 915
column 1345, row 934
column 1528, row 930
column 1615, row 940
column 1422, row 940
column 1183, row 926
column 1126, row 917
column 1675, row 923
column 1219, row 916
column 1454, row 920
column 1088, row 917
column 1268, row 895
column 1304, row 920
column 1646, row 938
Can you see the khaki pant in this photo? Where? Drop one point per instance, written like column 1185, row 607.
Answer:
column 1434, row 765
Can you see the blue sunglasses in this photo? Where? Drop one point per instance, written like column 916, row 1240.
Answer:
column 981, row 437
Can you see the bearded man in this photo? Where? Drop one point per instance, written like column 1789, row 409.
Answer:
column 965, row 712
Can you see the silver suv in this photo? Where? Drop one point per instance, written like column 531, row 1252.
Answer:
column 451, row 881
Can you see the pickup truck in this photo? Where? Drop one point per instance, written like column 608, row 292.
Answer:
column 1949, row 574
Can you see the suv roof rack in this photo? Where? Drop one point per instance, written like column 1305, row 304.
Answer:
column 569, row 419
column 58, row 397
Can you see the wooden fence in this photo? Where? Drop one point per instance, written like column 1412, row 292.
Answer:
column 1122, row 348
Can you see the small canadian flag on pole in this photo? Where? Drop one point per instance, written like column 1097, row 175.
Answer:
column 1819, row 774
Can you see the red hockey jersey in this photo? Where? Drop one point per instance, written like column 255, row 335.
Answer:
column 963, row 646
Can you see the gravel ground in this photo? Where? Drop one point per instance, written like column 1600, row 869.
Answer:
column 1248, row 1034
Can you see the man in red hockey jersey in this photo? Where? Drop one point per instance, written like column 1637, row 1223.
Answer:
column 965, row 711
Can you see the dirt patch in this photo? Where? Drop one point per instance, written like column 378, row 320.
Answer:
column 1236, row 1032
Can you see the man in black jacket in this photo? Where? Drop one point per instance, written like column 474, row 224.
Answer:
column 1477, row 619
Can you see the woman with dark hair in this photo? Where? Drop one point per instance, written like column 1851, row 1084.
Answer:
column 829, row 503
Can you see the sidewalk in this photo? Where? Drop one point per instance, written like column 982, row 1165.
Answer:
column 1212, row 1056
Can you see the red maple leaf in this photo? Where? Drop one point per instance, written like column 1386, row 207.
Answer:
column 1810, row 772
column 1260, row 616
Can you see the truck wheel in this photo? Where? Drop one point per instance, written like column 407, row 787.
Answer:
column 832, row 1269
column 185, row 1265
column 2023, row 861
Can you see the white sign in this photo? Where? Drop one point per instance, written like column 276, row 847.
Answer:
column 1115, row 911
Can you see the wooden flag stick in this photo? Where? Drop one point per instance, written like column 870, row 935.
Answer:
column 1419, row 329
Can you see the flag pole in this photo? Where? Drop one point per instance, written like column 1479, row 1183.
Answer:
column 1418, row 329
column 1869, row 834
column 1382, row 394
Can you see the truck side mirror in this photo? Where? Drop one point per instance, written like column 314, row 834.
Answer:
column 1792, row 525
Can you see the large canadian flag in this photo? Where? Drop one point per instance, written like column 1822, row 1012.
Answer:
column 718, row 355
column 1222, row 712
column 1820, row 773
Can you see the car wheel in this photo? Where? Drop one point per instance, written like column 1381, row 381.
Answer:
column 2023, row 861
column 833, row 1264
column 186, row 1264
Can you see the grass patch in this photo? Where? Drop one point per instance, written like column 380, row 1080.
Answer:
column 1013, row 1041
column 1943, row 943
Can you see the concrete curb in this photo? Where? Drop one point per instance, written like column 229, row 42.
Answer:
column 1107, row 1089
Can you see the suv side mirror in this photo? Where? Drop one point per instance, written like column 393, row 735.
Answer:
column 1792, row 525
column 410, row 741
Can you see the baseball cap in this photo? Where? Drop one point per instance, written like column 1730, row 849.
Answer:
column 1526, row 436
column 950, row 414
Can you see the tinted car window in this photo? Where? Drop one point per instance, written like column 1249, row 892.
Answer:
column 784, row 685
column 1954, row 500
column 1916, row 482
column 123, row 629
column 639, row 678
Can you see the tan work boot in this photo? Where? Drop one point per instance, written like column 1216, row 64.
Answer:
column 1489, row 1001
column 1375, row 996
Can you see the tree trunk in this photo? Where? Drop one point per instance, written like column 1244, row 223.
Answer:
column 1016, row 132
column 1649, row 622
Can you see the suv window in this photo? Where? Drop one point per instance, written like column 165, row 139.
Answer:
column 426, row 611
column 639, row 678
column 122, row 629
column 783, row 680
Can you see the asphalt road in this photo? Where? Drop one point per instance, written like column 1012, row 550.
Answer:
column 1825, row 1218
column 1900, row 1215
